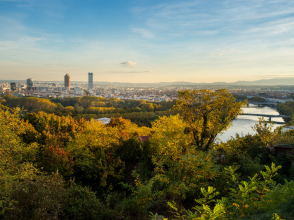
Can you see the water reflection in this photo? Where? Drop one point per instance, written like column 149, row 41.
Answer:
column 243, row 123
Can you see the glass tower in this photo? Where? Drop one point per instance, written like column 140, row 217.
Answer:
column 67, row 81
column 30, row 83
column 13, row 86
column 90, row 81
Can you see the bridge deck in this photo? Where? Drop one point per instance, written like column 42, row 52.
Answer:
column 271, row 116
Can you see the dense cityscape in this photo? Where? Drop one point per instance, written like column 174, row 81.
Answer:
column 152, row 93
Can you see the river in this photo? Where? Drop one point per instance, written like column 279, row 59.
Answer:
column 243, row 123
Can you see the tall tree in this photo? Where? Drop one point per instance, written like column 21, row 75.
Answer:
column 207, row 113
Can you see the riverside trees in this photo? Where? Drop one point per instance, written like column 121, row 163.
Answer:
column 207, row 113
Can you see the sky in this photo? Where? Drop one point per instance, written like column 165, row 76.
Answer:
column 146, row 40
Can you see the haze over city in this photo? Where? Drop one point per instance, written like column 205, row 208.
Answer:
column 146, row 41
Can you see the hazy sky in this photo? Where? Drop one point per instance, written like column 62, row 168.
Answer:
column 147, row 40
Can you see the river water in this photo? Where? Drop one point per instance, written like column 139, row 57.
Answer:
column 243, row 123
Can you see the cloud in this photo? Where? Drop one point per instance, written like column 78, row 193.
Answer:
column 30, row 39
column 145, row 33
column 200, row 18
column 145, row 71
column 280, row 26
column 150, row 71
column 216, row 54
column 128, row 64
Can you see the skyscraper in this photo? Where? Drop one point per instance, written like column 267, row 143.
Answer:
column 67, row 81
column 30, row 83
column 12, row 86
column 90, row 81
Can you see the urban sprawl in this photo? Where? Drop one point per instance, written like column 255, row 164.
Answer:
column 152, row 93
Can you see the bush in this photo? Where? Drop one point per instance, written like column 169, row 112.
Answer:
column 38, row 198
column 81, row 203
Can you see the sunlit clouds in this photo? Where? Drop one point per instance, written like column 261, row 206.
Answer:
column 128, row 64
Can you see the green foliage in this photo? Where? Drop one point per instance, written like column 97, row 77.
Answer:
column 286, row 109
column 209, row 196
column 99, row 110
column 26, row 193
column 81, row 203
column 239, row 97
column 30, row 103
column 246, row 198
column 136, row 116
column 204, row 212
column 265, row 131
column 207, row 113
column 37, row 198
column 148, row 106
column 117, row 176
column 13, row 166
column 52, row 130
column 257, row 99
column 181, row 214
column 52, row 133
column 174, row 178
column 100, row 156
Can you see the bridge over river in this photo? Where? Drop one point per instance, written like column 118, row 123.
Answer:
column 259, row 104
column 268, row 116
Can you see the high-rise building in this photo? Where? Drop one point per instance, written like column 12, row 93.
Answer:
column 67, row 81
column 30, row 83
column 90, row 81
column 12, row 86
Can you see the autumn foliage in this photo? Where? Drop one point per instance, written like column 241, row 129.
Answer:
column 58, row 167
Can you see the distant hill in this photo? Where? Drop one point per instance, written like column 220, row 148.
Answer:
column 268, row 82
column 262, row 82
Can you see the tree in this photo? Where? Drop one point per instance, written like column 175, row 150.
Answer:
column 69, row 110
column 100, row 104
column 266, row 132
column 148, row 106
column 13, row 156
column 79, row 109
column 207, row 113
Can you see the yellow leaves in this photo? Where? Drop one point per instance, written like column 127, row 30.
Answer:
column 207, row 113
column 98, row 110
column 137, row 182
column 168, row 136
column 235, row 204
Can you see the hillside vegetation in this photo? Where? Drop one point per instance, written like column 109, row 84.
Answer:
column 89, row 107
column 56, row 166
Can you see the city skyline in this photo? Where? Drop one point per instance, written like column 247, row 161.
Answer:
column 147, row 41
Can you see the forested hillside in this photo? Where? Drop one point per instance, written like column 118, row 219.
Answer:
column 56, row 164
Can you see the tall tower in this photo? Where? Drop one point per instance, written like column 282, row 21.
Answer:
column 30, row 83
column 12, row 86
column 90, row 81
column 67, row 81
